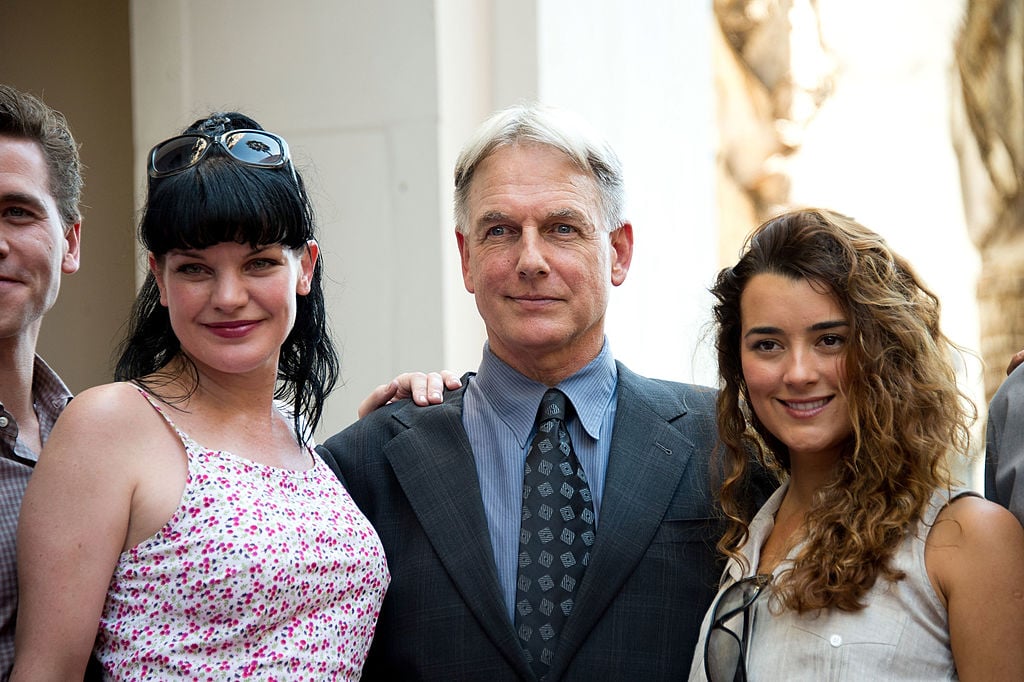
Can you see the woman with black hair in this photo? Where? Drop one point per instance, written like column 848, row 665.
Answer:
column 182, row 509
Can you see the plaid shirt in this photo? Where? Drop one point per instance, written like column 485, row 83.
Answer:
column 49, row 396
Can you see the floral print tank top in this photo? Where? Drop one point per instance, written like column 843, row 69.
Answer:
column 261, row 573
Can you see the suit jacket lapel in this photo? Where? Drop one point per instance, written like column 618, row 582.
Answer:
column 434, row 465
column 647, row 458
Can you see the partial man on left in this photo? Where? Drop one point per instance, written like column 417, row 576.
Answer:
column 40, row 229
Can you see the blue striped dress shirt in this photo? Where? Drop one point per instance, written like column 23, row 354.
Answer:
column 499, row 411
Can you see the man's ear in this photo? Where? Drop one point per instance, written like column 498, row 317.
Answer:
column 72, row 254
column 467, row 277
column 621, row 252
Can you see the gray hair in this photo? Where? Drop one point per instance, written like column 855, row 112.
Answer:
column 556, row 128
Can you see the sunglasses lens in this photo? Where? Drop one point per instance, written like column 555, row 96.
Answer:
column 255, row 148
column 178, row 153
column 723, row 649
column 722, row 657
column 736, row 598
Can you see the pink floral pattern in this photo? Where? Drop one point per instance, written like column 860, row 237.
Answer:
column 261, row 573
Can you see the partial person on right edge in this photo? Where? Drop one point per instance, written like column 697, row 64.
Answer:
column 1004, row 449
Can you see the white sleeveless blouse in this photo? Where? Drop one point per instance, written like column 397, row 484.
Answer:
column 902, row 634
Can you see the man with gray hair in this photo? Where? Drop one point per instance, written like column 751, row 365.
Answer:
column 553, row 518
column 40, row 190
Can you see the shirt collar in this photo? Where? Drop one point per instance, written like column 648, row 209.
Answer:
column 49, row 397
column 49, row 388
column 515, row 398
column 758, row 530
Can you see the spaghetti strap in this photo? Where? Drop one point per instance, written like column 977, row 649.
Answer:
column 186, row 440
column 193, row 447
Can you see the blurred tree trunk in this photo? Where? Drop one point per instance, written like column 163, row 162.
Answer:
column 761, row 110
column 988, row 133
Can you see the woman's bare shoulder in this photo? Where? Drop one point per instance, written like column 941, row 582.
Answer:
column 969, row 534
column 109, row 403
column 972, row 520
column 110, row 414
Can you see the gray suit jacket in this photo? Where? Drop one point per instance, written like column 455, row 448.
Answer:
column 1004, row 461
column 653, row 569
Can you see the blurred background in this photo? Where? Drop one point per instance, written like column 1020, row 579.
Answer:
column 905, row 114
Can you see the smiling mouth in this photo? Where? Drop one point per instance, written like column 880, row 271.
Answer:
column 806, row 405
column 534, row 299
column 233, row 329
column 230, row 325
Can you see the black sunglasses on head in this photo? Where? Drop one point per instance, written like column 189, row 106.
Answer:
column 256, row 148
column 725, row 647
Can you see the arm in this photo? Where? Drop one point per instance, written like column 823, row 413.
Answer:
column 72, row 527
column 423, row 388
column 975, row 557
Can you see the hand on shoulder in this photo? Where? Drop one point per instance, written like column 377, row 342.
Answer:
column 1015, row 360
column 425, row 388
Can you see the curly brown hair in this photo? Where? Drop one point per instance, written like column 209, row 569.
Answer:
column 907, row 410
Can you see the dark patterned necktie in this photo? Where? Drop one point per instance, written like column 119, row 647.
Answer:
column 556, row 534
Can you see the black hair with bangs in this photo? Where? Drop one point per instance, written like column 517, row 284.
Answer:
column 221, row 200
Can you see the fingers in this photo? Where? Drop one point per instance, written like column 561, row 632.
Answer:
column 1017, row 359
column 382, row 395
column 425, row 388
column 452, row 380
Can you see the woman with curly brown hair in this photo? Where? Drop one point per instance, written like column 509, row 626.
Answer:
column 868, row 562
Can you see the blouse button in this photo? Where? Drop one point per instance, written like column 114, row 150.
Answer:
column 835, row 640
column 3, row 422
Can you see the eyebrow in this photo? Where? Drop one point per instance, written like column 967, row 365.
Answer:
column 30, row 200
column 816, row 327
column 194, row 253
column 568, row 213
column 494, row 217
column 563, row 213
